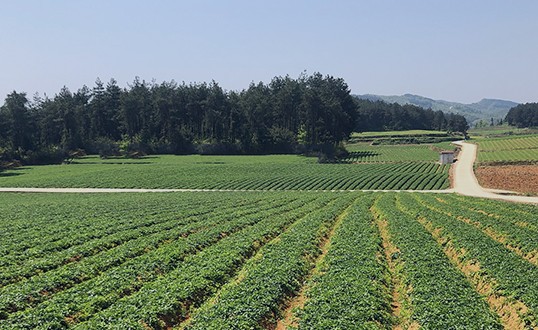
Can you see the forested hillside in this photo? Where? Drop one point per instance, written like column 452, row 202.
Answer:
column 473, row 112
column 382, row 116
column 523, row 115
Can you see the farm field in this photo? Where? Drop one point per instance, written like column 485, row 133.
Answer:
column 258, row 260
column 517, row 178
column 398, row 133
column 365, row 153
column 274, row 172
column 508, row 163
column 500, row 131
column 508, row 149
column 403, row 137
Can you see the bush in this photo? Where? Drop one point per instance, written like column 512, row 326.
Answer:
column 217, row 149
column 45, row 155
column 105, row 147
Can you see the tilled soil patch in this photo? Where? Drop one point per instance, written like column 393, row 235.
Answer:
column 520, row 178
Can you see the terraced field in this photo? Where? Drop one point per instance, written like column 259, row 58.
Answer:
column 265, row 260
column 508, row 150
column 274, row 172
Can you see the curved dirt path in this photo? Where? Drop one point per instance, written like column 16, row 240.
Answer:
column 465, row 182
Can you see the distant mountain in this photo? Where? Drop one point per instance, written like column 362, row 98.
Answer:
column 474, row 112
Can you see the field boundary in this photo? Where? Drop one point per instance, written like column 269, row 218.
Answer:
column 145, row 190
column 465, row 182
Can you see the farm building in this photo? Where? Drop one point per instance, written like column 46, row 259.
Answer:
column 446, row 157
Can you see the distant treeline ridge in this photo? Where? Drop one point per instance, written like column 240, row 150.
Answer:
column 381, row 116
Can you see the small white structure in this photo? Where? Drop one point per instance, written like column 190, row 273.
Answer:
column 446, row 157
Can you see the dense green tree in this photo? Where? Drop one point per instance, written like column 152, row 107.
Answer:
column 310, row 113
column 17, row 123
column 381, row 116
column 523, row 115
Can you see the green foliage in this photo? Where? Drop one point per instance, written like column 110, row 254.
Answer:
column 147, row 242
column 272, row 275
column 440, row 295
column 394, row 134
column 230, row 260
column 350, row 289
column 514, row 277
column 473, row 112
column 381, row 116
column 180, row 119
column 499, row 131
column 516, row 149
column 272, row 172
column 361, row 152
column 523, row 115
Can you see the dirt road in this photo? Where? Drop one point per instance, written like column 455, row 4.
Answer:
column 465, row 182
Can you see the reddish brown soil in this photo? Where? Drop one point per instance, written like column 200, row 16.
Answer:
column 520, row 178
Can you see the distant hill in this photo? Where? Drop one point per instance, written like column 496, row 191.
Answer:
column 474, row 112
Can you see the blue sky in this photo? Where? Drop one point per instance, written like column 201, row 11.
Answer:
column 462, row 50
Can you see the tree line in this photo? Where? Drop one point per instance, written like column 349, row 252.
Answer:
column 381, row 116
column 287, row 115
column 523, row 115
column 312, row 113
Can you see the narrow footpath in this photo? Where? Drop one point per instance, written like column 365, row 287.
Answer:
column 465, row 182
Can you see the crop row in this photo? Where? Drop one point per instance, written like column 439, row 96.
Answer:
column 506, row 150
column 529, row 142
column 271, row 276
column 47, row 255
column 508, row 155
column 28, row 293
column 361, row 153
column 299, row 174
column 357, row 177
column 236, row 261
column 509, row 275
column 440, row 297
column 53, row 227
column 351, row 288
column 523, row 214
column 518, row 232
column 82, row 288
column 167, row 300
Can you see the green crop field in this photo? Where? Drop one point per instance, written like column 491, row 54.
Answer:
column 417, row 132
column 508, row 149
column 499, row 131
column 403, row 137
column 364, row 153
column 274, row 172
column 239, row 260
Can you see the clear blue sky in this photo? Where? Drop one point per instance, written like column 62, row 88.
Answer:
column 461, row 50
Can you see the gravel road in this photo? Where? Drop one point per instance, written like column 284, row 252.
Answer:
column 465, row 182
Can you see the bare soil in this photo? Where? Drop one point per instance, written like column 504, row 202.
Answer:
column 520, row 178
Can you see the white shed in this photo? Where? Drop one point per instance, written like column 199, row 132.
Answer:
column 446, row 157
